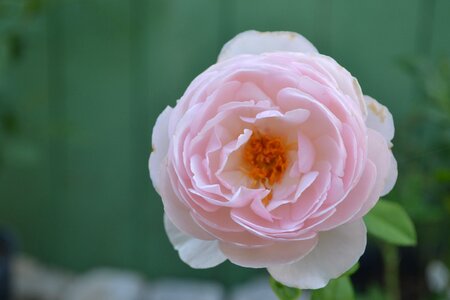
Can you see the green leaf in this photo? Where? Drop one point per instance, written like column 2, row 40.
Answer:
column 390, row 222
column 374, row 292
column 284, row 292
column 336, row 289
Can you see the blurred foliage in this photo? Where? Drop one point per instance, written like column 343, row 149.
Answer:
column 423, row 151
column 15, row 17
column 374, row 292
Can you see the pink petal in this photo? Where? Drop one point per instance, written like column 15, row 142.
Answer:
column 391, row 177
column 354, row 201
column 380, row 154
column 336, row 252
column 306, row 153
column 261, row 257
column 178, row 213
column 198, row 254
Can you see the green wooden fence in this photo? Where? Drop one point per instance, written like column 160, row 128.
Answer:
column 97, row 73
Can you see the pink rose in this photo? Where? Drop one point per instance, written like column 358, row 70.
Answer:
column 270, row 159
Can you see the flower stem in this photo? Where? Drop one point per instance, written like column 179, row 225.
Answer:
column 391, row 271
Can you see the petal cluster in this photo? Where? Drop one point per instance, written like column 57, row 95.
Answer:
column 270, row 159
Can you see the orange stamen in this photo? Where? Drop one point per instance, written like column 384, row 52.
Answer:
column 267, row 199
column 265, row 160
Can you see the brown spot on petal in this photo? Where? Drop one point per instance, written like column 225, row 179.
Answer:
column 292, row 36
column 378, row 110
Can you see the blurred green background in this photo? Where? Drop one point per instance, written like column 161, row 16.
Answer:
column 82, row 82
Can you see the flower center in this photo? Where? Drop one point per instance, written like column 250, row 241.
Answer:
column 265, row 160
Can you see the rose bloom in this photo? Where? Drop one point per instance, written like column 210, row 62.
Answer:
column 270, row 159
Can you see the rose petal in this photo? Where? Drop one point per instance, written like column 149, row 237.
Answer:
column 198, row 254
column 391, row 177
column 346, row 82
column 255, row 42
column 354, row 201
column 339, row 162
column 379, row 118
column 178, row 212
column 380, row 154
column 160, row 146
column 329, row 150
column 306, row 153
column 237, row 234
column 262, row 257
column 337, row 251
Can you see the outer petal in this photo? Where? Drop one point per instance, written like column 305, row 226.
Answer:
column 275, row 254
column 380, row 154
column 379, row 118
column 177, row 212
column 255, row 42
column 337, row 251
column 160, row 146
column 392, row 175
column 198, row 254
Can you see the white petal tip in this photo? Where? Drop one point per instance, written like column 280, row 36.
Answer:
column 255, row 42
